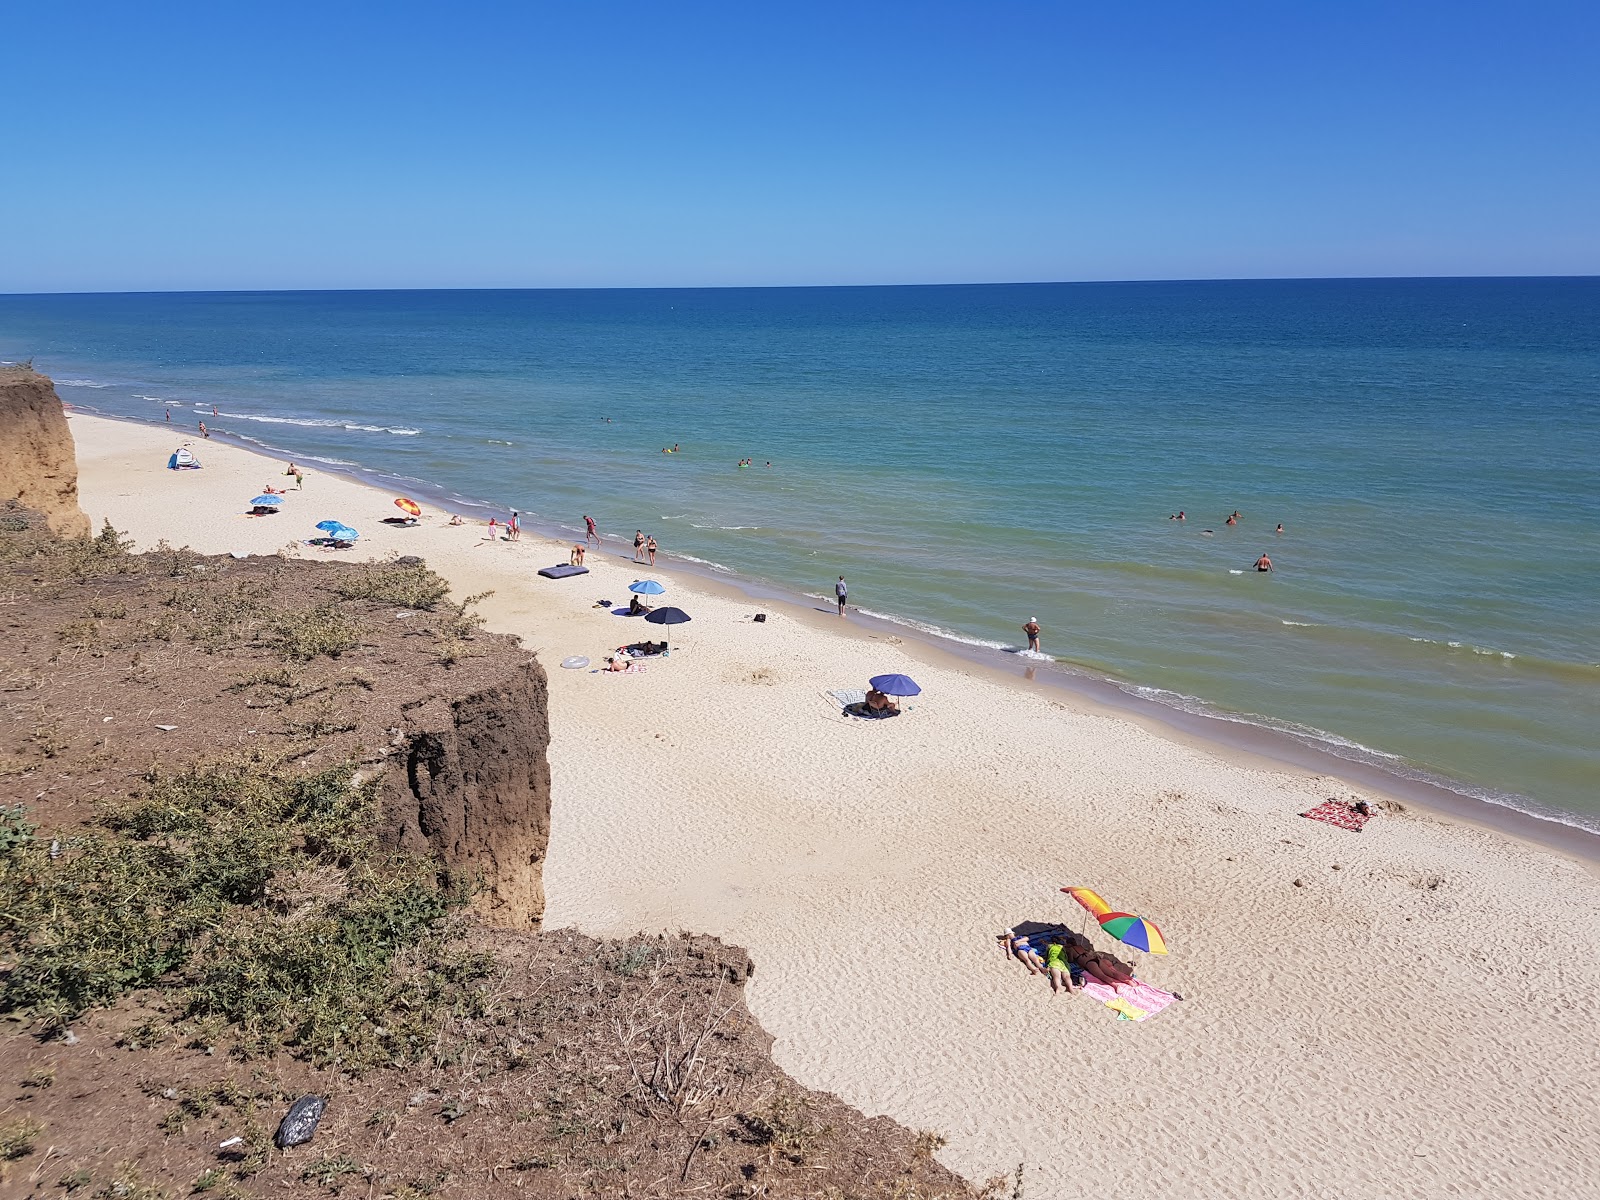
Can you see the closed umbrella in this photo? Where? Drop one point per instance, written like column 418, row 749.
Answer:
column 895, row 685
column 667, row 616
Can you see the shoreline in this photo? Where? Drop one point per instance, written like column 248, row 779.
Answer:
column 1242, row 737
column 1387, row 985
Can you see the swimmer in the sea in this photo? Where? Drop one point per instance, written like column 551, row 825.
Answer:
column 1177, row 516
column 1263, row 563
column 1233, row 520
column 1280, row 526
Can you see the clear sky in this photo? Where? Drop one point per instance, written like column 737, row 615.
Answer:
column 339, row 143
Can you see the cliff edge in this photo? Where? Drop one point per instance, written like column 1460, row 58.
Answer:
column 37, row 463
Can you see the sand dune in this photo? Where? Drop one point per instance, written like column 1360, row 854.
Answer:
column 1407, row 1012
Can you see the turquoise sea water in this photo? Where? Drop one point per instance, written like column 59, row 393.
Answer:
column 972, row 456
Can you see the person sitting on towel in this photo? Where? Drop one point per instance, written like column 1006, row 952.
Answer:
column 880, row 703
column 637, row 606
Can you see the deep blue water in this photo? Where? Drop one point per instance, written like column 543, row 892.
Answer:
column 972, row 456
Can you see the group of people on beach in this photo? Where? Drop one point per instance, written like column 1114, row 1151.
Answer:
column 1066, row 957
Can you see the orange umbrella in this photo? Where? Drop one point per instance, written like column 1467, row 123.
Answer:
column 1090, row 900
column 410, row 507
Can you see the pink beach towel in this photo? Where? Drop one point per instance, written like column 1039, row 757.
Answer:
column 1338, row 812
column 1132, row 1001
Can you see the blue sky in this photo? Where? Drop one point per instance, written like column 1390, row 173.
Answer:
column 346, row 144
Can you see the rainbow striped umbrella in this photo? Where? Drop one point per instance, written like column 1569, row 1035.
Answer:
column 1134, row 931
column 1089, row 899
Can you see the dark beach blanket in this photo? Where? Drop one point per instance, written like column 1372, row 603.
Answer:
column 563, row 570
column 861, row 710
column 1340, row 813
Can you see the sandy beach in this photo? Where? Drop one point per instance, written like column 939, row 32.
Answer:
column 1403, row 1012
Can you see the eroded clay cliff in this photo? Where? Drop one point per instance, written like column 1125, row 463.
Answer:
column 37, row 463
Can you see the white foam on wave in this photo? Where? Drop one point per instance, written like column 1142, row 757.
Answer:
column 498, row 442
column 154, row 399
column 729, row 528
column 1485, row 651
column 929, row 628
column 1302, row 624
column 704, row 562
column 332, row 462
column 88, row 383
column 1194, row 704
column 319, row 423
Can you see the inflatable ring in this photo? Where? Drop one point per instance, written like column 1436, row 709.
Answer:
column 575, row 662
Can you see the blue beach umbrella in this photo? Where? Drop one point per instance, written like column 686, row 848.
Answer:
column 895, row 685
column 330, row 526
column 343, row 534
column 646, row 587
column 267, row 501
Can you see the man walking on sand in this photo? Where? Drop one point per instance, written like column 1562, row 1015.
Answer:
column 592, row 535
column 842, row 591
column 1032, row 630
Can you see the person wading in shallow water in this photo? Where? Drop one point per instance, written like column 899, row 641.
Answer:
column 842, row 592
column 1263, row 563
column 1032, row 630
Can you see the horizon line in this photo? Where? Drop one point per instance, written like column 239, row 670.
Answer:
column 751, row 287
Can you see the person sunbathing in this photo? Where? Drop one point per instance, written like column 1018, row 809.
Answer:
column 1058, row 968
column 621, row 664
column 880, row 704
column 637, row 606
column 1096, row 964
column 1021, row 947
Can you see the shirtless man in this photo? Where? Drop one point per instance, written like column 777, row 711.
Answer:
column 591, row 536
column 1263, row 563
column 1032, row 630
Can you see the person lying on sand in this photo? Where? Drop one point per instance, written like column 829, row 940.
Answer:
column 455, row 519
column 1058, row 968
column 1094, row 963
column 623, row 666
column 1020, row 946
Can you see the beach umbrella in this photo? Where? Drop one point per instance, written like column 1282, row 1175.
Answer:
column 1089, row 899
column 646, row 587
column 343, row 534
column 330, row 526
column 410, row 507
column 895, row 685
column 267, row 501
column 667, row 616
column 1134, row 931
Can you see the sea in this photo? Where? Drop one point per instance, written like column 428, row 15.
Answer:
column 969, row 457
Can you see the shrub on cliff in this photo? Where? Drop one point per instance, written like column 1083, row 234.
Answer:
column 254, row 896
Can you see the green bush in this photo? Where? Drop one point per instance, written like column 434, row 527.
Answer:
column 306, row 633
column 257, row 896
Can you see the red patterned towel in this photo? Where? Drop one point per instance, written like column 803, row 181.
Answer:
column 1337, row 812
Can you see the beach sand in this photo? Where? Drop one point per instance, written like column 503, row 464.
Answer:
column 1405, row 1012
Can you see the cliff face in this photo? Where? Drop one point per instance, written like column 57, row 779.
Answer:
column 37, row 463
column 472, row 789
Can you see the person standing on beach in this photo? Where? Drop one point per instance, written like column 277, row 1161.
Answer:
column 513, row 527
column 204, row 432
column 169, row 414
column 592, row 535
column 638, row 545
column 650, row 548
column 842, row 592
column 299, row 478
column 1032, row 630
